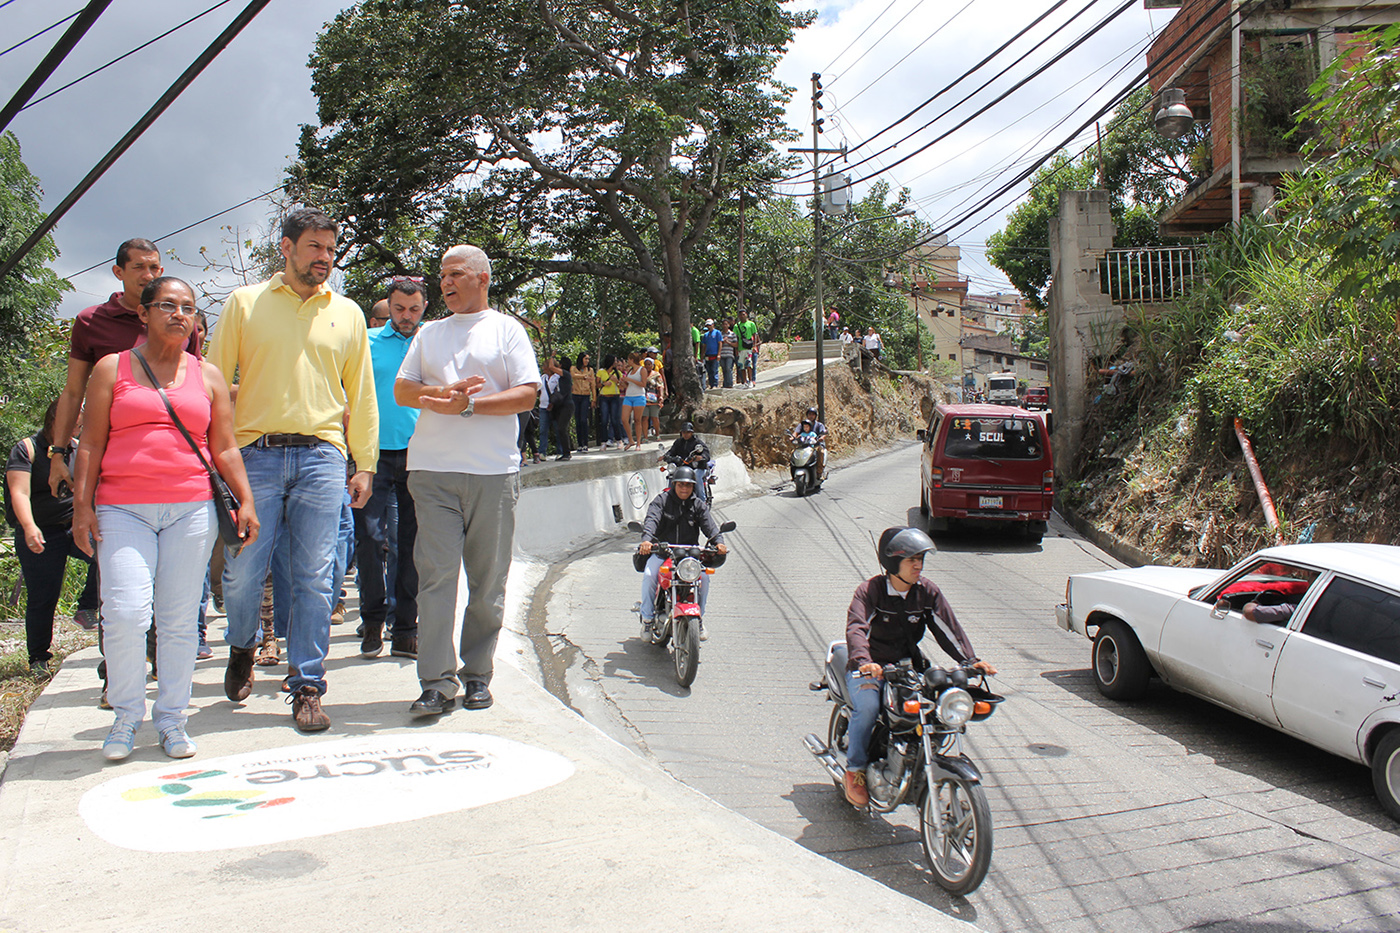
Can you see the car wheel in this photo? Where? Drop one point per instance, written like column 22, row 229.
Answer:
column 1121, row 669
column 1385, row 772
column 923, row 499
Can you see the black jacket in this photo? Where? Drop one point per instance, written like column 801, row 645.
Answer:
column 885, row 628
column 673, row 520
column 682, row 448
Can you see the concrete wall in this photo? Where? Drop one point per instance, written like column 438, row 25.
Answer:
column 562, row 505
column 1082, row 320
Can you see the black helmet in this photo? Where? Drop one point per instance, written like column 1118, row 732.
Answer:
column 684, row 474
column 688, row 427
column 812, row 410
column 899, row 543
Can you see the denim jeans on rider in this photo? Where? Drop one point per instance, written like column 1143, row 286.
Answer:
column 865, row 697
column 152, row 559
column 650, row 580
column 298, row 492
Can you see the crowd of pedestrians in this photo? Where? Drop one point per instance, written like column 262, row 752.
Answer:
column 307, row 441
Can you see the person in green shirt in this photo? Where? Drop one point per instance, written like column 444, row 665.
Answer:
column 747, row 332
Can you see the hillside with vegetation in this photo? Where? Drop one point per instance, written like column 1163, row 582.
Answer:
column 1294, row 328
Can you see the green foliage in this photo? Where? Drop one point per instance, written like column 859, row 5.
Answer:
column 1142, row 171
column 593, row 139
column 1347, row 200
column 1276, row 89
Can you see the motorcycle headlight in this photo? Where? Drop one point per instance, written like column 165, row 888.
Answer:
column 689, row 569
column 955, row 707
column 802, row 456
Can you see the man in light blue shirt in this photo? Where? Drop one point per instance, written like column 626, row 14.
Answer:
column 379, row 576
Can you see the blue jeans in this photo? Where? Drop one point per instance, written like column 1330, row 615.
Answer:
column 345, row 548
column 546, row 429
column 651, row 578
column 299, row 492
column 611, row 420
column 712, row 371
column 727, row 364
column 583, row 413
column 865, row 696
column 384, row 587
column 153, row 559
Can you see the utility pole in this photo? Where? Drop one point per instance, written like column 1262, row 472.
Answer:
column 817, row 152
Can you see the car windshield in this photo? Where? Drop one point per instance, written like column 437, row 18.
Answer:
column 994, row 439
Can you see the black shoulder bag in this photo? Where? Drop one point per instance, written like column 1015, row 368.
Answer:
column 226, row 504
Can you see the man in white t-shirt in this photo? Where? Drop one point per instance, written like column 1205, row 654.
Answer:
column 471, row 374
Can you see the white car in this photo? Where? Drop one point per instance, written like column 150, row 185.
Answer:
column 1304, row 638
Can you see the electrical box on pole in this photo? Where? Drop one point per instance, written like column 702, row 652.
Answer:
column 836, row 193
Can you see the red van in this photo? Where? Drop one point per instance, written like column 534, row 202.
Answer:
column 986, row 463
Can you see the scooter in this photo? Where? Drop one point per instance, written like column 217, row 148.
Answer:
column 676, row 613
column 916, row 757
column 804, row 464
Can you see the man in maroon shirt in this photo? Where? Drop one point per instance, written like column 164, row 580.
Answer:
column 110, row 327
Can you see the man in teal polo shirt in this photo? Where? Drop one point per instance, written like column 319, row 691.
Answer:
column 407, row 300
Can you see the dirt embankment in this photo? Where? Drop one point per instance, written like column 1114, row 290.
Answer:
column 1191, row 502
column 860, row 412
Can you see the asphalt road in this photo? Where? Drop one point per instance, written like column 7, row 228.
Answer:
column 1166, row 814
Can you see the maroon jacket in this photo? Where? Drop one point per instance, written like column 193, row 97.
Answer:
column 884, row 627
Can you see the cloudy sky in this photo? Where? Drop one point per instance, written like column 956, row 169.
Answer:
column 231, row 133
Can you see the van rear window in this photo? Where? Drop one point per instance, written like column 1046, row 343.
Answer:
column 993, row 439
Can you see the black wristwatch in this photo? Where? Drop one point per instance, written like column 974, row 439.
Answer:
column 60, row 451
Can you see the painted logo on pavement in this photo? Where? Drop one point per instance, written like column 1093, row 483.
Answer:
column 312, row 790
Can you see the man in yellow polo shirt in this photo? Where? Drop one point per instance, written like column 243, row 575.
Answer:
column 302, row 360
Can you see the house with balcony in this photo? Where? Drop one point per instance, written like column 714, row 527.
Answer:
column 1244, row 67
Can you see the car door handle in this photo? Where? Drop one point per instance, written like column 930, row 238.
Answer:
column 1266, row 645
column 1372, row 682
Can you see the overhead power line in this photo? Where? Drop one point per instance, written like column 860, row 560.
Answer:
column 36, row 35
column 126, row 55
column 52, row 60
column 166, row 99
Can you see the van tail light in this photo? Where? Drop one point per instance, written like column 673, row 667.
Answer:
column 1047, row 482
column 935, row 477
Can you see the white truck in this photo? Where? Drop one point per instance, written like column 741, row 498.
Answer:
column 1001, row 389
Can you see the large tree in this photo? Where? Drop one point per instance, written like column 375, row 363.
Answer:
column 563, row 136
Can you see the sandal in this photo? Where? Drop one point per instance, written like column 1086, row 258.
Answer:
column 268, row 654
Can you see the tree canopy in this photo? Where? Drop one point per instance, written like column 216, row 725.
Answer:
column 595, row 138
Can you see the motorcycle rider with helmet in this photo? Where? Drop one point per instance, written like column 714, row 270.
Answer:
column 676, row 516
column 888, row 615
column 689, row 450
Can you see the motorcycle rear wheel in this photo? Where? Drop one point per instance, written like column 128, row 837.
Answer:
column 955, row 827
column 836, row 731
column 686, row 650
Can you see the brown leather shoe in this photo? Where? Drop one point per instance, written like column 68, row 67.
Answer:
column 338, row 614
column 854, row 786
column 238, row 676
column 307, row 712
column 269, row 655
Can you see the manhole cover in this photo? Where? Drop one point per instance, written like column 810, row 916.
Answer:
column 1049, row 751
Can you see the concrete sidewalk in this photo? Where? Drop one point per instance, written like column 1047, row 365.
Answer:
column 520, row 817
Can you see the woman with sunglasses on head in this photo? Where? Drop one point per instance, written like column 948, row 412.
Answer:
column 144, row 503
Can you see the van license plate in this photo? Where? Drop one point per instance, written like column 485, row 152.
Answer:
column 989, row 502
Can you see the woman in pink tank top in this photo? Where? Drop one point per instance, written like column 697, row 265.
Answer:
column 144, row 503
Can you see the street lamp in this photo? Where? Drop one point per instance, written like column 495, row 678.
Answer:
column 1174, row 120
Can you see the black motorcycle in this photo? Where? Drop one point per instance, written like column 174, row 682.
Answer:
column 916, row 758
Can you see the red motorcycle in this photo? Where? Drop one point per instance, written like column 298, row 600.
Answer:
column 676, row 613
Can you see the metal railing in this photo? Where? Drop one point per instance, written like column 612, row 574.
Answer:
column 1149, row 276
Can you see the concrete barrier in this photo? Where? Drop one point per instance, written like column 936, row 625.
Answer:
column 564, row 503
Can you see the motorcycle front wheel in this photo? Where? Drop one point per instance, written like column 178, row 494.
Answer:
column 800, row 483
column 686, row 650
column 955, row 826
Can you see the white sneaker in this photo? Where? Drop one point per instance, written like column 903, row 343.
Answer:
column 119, row 740
column 176, row 743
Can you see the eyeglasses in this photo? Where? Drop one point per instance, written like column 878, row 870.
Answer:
column 406, row 278
column 170, row 307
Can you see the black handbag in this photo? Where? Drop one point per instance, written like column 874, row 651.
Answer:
column 226, row 504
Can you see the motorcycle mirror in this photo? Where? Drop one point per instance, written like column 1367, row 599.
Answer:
column 635, row 526
column 723, row 529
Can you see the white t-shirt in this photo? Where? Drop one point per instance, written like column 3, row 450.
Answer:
column 872, row 341
column 487, row 344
